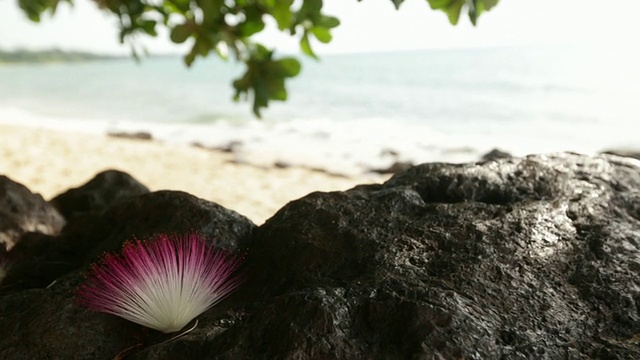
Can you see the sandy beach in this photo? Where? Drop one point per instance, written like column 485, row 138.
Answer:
column 50, row 162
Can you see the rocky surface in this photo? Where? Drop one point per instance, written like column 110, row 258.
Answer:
column 516, row 258
column 104, row 190
column 396, row 167
column 22, row 211
column 45, row 322
column 632, row 153
column 495, row 154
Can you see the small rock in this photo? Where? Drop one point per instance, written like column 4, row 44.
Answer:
column 495, row 154
column 103, row 191
column 138, row 135
column 22, row 211
column 280, row 164
column 394, row 168
column 230, row 147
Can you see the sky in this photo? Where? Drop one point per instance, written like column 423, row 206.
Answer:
column 367, row 26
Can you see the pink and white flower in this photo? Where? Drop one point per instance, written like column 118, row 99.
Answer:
column 162, row 283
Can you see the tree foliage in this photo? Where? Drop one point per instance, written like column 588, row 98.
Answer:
column 227, row 26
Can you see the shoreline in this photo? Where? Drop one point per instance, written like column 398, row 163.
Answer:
column 50, row 162
column 353, row 148
column 319, row 144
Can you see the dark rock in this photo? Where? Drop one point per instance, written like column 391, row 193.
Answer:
column 4, row 265
column 36, row 261
column 104, row 190
column 396, row 167
column 47, row 324
column 495, row 154
column 163, row 212
column 533, row 258
column 519, row 258
column 632, row 153
column 22, row 211
column 42, row 260
column 230, row 147
column 137, row 135
column 280, row 164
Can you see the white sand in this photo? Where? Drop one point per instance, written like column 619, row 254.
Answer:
column 50, row 162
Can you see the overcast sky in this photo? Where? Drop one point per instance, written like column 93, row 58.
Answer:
column 367, row 26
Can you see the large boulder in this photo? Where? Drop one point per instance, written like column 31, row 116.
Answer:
column 518, row 258
column 532, row 257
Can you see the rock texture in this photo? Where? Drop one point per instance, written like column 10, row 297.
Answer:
column 396, row 167
column 518, row 258
column 632, row 153
column 495, row 154
column 104, row 190
column 44, row 322
column 22, row 211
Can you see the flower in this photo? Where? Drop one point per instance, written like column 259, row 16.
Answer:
column 163, row 283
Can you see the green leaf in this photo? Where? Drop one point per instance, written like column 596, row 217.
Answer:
column 260, row 53
column 34, row 8
column 306, row 47
column 265, row 78
column 453, row 8
column 439, row 4
column 260, row 94
column 328, row 22
column 453, row 11
column 290, row 66
column 283, row 68
column 250, row 27
column 478, row 7
column 276, row 90
column 210, row 10
column 242, row 85
column 322, row 34
column 282, row 13
column 148, row 26
column 180, row 33
column 202, row 46
column 190, row 57
column 182, row 6
column 310, row 8
column 486, row 5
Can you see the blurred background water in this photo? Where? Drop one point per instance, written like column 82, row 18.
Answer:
column 345, row 111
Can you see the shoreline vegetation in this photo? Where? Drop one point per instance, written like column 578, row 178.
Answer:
column 21, row 56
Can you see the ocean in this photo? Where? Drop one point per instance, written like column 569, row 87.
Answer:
column 352, row 113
